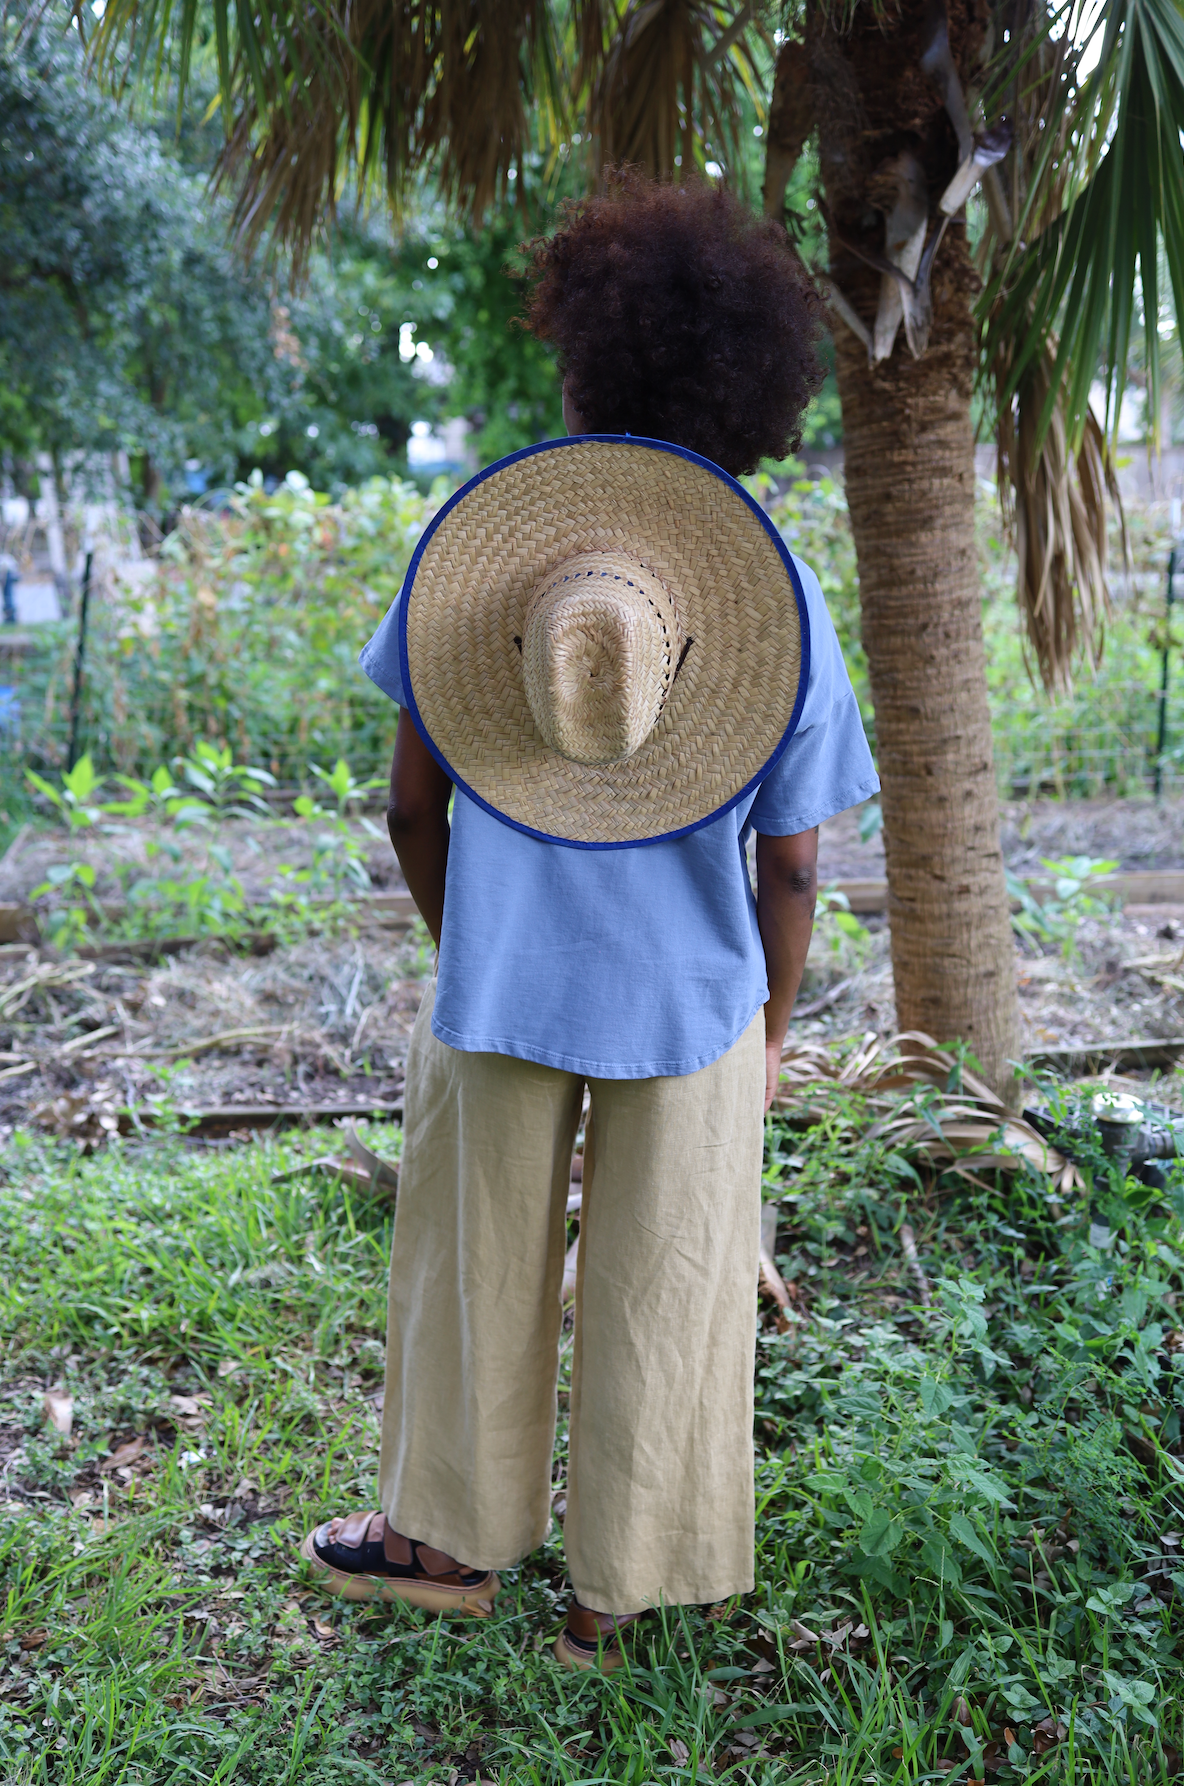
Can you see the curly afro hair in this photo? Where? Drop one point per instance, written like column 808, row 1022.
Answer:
column 679, row 315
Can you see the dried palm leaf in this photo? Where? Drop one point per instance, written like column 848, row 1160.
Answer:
column 671, row 81
column 923, row 1102
column 790, row 122
column 1055, row 470
column 1054, row 504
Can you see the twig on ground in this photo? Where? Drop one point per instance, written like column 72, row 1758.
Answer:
column 824, row 1003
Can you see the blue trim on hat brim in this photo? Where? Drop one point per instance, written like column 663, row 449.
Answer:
column 551, row 446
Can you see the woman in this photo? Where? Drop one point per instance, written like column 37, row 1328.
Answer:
column 608, row 661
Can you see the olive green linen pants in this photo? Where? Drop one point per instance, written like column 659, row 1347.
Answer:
column 659, row 1487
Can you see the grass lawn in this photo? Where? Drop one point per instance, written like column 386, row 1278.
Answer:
column 970, row 1516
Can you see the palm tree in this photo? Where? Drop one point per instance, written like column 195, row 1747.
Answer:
column 1075, row 178
column 1081, row 177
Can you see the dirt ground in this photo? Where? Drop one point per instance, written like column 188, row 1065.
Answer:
column 325, row 1022
column 1134, row 833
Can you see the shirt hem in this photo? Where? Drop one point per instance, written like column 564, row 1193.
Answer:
column 590, row 1069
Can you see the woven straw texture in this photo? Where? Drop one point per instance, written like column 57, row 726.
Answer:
column 599, row 655
column 728, row 707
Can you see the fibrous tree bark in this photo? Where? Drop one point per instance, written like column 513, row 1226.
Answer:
column 888, row 150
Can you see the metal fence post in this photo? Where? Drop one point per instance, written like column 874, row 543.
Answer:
column 79, row 664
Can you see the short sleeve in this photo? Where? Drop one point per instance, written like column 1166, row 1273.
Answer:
column 380, row 658
column 827, row 765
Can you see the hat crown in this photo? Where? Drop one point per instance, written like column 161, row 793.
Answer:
column 600, row 650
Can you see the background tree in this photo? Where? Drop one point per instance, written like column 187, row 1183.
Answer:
column 909, row 108
column 128, row 322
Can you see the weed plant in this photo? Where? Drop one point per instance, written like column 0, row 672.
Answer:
column 969, row 1512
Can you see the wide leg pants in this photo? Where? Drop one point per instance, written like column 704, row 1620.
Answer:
column 659, row 1488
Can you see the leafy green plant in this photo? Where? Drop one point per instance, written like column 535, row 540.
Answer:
column 839, row 930
column 232, row 789
column 158, row 797
column 209, row 904
column 68, row 923
column 1056, row 917
column 341, row 783
column 75, row 801
column 959, row 1556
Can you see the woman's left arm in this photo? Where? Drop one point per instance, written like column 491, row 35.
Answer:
column 786, row 887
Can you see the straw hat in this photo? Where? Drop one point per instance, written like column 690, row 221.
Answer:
column 603, row 641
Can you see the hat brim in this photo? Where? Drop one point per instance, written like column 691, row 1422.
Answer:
column 735, row 703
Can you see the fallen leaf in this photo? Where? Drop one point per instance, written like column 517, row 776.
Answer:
column 124, row 1454
column 185, row 1404
column 228, row 1367
column 762, row 1667
column 80, row 1500
column 679, row 1751
column 323, row 1628
column 59, row 1411
column 33, row 1640
column 803, row 1631
column 960, row 1712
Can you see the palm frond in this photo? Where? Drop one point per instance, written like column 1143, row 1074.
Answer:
column 314, row 93
column 670, row 84
column 1055, row 464
column 1104, row 191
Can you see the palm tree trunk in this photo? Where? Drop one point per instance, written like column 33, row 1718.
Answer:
column 909, row 465
column 886, row 140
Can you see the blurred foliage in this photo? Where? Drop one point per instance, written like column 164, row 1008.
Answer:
column 127, row 323
column 1098, row 738
column 124, row 321
column 247, row 636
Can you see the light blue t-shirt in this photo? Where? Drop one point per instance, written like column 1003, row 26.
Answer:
column 627, row 963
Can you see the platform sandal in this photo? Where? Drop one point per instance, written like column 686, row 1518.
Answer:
column 361, row 1558
column 592, row 1639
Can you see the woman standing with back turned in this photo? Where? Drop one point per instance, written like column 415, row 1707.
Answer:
column 604, row 649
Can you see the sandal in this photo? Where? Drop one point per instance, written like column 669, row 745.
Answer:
column 361, row 1558
column 592, row 1639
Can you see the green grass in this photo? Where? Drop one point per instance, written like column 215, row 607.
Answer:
column 966, row 1559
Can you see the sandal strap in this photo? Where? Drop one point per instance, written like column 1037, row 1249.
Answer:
column 588, row 1631
column 354, row 1553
